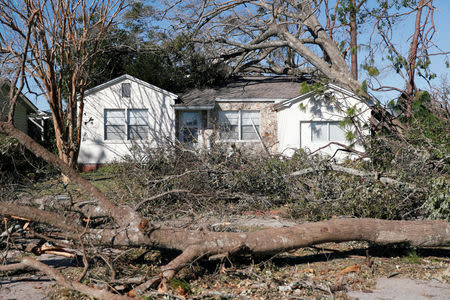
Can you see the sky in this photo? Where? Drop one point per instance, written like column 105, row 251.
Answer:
column 442, row 38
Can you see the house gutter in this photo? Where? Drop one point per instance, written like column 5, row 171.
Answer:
column 200, row 107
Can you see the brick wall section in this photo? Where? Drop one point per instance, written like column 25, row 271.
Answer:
column 268, row 123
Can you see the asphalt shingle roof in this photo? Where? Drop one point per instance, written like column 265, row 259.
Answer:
column 245, row 88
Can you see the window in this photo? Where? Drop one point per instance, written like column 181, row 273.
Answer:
column 327, row 132
column 137, row 124
column 239, row 125
column 121, row 124
column 189, row 126
column 126, row 90
column 115, row 124
column 229, row 125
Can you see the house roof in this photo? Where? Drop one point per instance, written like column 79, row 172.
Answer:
column 329, row 88
column 129, row 77
column 25, row 100
column 250, row 89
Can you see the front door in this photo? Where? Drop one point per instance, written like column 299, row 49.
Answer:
column 190, row 124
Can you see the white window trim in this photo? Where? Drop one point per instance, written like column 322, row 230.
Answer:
column 127, row 124
column 239, row 139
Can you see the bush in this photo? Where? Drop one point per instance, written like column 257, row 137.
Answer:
column 220, row 182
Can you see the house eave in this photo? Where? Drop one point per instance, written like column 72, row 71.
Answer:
column 248, row 100
column 129, row 77
column 288, row 103
column 199, row 107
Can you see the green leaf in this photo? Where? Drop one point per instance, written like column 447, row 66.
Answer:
column 302, row 107
column 350, row 136
column 364, row 86
column 351, row 111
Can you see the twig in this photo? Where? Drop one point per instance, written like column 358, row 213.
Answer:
column 146, row 285
column 346, row 149
column 60, row 279
column 83, row 250
column 354, row 172
column 159, row 196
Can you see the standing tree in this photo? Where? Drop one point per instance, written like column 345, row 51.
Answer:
column 289, row 37
column 55, row 43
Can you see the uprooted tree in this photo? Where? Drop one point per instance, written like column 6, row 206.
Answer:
column 129, row 229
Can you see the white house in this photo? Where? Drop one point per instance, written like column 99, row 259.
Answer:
column 313, row 122
column 260, row 113
column 122, row 114
column 268, row 113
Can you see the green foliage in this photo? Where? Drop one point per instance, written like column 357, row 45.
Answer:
column 350, row 136
column 364, row 86
column 317, row 87
column 171, row 63
column 224, row 182
column 302, row 107
column 17, row 164
column 176, row 283
column 351, row 111
column 371, row 70
column 424, row 126
column 413, row 257
column 438, row 202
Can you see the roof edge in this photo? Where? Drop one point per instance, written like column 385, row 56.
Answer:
column 22, row 96
column 287, row 103
column 129, row 77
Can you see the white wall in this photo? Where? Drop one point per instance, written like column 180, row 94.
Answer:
column 96, row 150
column 294, row 122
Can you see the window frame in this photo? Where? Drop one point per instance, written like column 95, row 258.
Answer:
column 126, row 123
column 240, row 125
column 328, row 139
column 125, row 92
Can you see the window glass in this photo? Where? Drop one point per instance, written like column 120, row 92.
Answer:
column 190, row 124
column 115, row 124
column 137, row 124
column 229, row 125
column 249, row 122
column 319, row 131
column 190, row 119
column 126, row 90
column 337, row 133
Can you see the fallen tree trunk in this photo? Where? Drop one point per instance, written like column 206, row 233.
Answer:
column 382, row 232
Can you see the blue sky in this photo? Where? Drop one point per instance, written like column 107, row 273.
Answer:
column 442, row 39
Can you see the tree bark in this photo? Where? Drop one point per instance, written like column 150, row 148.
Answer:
column 353, row 39
column 412, row 57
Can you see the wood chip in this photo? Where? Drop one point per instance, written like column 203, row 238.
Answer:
column 350, row 269
column 162, row 287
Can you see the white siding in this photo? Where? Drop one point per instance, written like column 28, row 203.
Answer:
column 294, row 122
column 161, row 120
